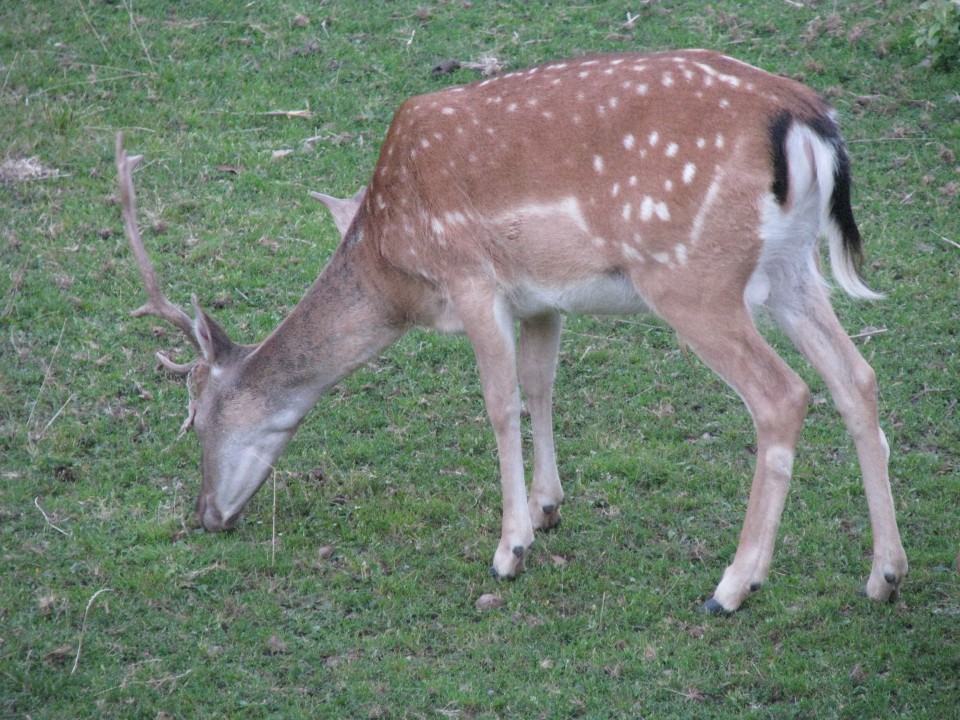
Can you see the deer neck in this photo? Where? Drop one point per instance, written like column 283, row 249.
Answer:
column 341, row 323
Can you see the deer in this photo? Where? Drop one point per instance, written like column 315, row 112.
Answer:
column 686, row 184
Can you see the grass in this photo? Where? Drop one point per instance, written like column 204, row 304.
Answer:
column 353, row 596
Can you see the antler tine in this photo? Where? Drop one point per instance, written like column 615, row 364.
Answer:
column 176, row 368
column 157, row 305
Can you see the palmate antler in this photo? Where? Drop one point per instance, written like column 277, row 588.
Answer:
column 157, row 304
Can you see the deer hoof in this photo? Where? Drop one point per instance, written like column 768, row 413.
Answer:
column 713, row 607
column 508, row 561
column 497, row 575
column 545, row 517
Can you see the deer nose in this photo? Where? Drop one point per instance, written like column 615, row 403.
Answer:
column 210, row 517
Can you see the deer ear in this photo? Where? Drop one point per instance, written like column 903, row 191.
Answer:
column 212, row 339
column 343, row 210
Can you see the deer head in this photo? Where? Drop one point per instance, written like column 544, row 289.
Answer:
column 239, row 438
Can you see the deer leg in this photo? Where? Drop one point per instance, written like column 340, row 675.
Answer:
column 489, row 325
column 726, row 339
column 539, row 343
column 814, row 329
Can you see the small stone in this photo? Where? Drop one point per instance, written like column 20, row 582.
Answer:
column 488, row 601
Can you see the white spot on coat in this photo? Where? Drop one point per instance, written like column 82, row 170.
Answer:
column 709, row 199
column 689, row 171
column 598, row 163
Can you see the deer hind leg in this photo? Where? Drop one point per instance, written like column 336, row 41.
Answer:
column 726, row 339
column 489, row 325
column 539, row 343
column 813, row 327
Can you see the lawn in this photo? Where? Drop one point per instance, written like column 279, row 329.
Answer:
column 349, row 589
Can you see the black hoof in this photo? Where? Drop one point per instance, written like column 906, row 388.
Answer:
column 755, row 586
column 493, row 573
column 519, row 551
column 891, row 579
column 712, row 607
column 549, row 509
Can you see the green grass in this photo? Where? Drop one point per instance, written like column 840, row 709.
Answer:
column 397, row 468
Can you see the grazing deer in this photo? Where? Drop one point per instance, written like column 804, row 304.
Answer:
column 686, row 184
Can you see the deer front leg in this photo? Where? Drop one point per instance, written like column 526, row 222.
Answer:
column 539, row 343
column 489, row 326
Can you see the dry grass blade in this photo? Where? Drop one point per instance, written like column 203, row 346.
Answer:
column 25, row 169
column 43, row 385
column 36, row 501
column 83, row 626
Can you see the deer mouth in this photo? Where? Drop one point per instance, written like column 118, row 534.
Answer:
column 212, row 520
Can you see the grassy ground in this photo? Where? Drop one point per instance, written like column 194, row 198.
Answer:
column 349, row 589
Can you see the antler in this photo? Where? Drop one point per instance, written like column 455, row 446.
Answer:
column 157, row 304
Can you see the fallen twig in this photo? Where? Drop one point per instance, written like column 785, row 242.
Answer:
column 289, row 113
column 947, row 240
column 868, row 332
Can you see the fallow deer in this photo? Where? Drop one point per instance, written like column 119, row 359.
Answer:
column 687, row 184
